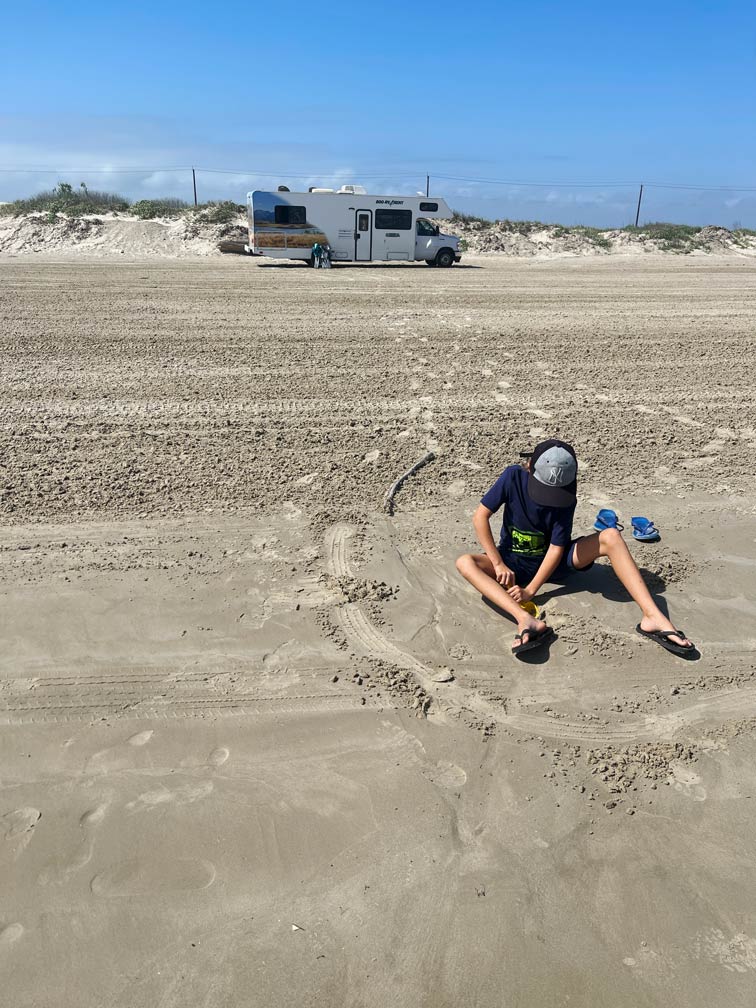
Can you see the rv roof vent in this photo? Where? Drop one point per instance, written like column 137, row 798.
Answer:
column 353, row 190
column 315, row 189
column 284, row 188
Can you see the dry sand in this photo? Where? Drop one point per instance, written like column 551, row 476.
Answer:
column 261, row 746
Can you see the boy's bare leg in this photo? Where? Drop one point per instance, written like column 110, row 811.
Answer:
column 478, row 570
column 610, row 543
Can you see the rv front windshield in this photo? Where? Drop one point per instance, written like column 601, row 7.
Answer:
column 424, row 227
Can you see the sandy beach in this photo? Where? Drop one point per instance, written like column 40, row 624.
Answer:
column 261, row 745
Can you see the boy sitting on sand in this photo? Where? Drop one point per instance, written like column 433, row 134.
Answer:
column 536, row 546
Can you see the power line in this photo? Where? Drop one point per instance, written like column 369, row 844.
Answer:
column 91, row 171
column 592, row 185
column 372, row 175
column 115, row 170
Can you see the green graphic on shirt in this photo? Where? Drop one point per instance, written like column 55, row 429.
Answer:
column 528, row 543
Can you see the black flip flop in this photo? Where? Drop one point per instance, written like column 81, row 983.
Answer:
column 662, row 637
column 536, row 638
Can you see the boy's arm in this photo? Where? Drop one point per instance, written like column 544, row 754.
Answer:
column 548, row 565
column 482, row 525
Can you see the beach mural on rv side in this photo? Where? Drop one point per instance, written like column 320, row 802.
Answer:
column 282, row 223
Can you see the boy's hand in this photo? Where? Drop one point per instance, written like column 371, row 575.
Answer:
column 520, row 594
column 504, row 575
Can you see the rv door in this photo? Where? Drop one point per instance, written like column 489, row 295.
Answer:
column 363, row 235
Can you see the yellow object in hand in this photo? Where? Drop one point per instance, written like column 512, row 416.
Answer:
column 531, row 608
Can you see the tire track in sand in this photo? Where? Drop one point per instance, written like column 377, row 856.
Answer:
column 363, row 635
column 152, row 694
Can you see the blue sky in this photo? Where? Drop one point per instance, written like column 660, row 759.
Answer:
column 563, row 94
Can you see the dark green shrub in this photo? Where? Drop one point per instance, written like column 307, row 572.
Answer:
column 595, row 236
column 64, row 199
column 165, row 207
column 671, row 237
column 222, row 212
column 463, row 218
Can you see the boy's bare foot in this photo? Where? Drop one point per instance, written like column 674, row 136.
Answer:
column 526, row 624
column 652, row 623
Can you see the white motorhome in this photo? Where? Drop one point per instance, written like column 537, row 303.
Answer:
column 357, row 227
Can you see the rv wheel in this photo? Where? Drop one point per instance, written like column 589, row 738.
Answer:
column 430, row 262
column 445, row 258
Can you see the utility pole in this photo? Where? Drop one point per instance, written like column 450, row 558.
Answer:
column 637, row 212
column 194, row 183
column 427, row 185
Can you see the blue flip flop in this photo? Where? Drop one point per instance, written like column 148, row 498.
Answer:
column 644, row 530
column 606, row 519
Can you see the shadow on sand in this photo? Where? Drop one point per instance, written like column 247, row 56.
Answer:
column 599, row 580
column 363, row 265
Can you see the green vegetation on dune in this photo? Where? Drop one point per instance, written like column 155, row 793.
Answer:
column 476, row 233
column 222, row 212
column 65, row 201
column 660, row 236
column 463, row 218
column 670, row 237
column 598, row 237
column 207, row 213
column 164, row 207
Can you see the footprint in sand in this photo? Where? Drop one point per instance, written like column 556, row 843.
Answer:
column 10, row 934
column 59, row 871
column 117, row 757
column 141, row 738
column 186, row 795
column 166, row 874
column 17, row 828
column 218, row 756
column 446, row 775
column 456, row 488
column 94, row 816
column 63, row 866
column 18, row 822
column 686, row 782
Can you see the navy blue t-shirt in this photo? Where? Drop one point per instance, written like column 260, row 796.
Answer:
column 528, row 528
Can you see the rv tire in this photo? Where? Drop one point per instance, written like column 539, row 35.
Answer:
column 445, row 258
column 430, row 262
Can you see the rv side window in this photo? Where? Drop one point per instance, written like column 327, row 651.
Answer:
column 393, row 220
column 295, row 215
column 428, row 207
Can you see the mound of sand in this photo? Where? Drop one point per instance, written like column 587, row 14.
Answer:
column 116, row 234
column 527, row 238
column 189, row 236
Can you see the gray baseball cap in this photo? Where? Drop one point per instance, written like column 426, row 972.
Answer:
column 553, row 480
